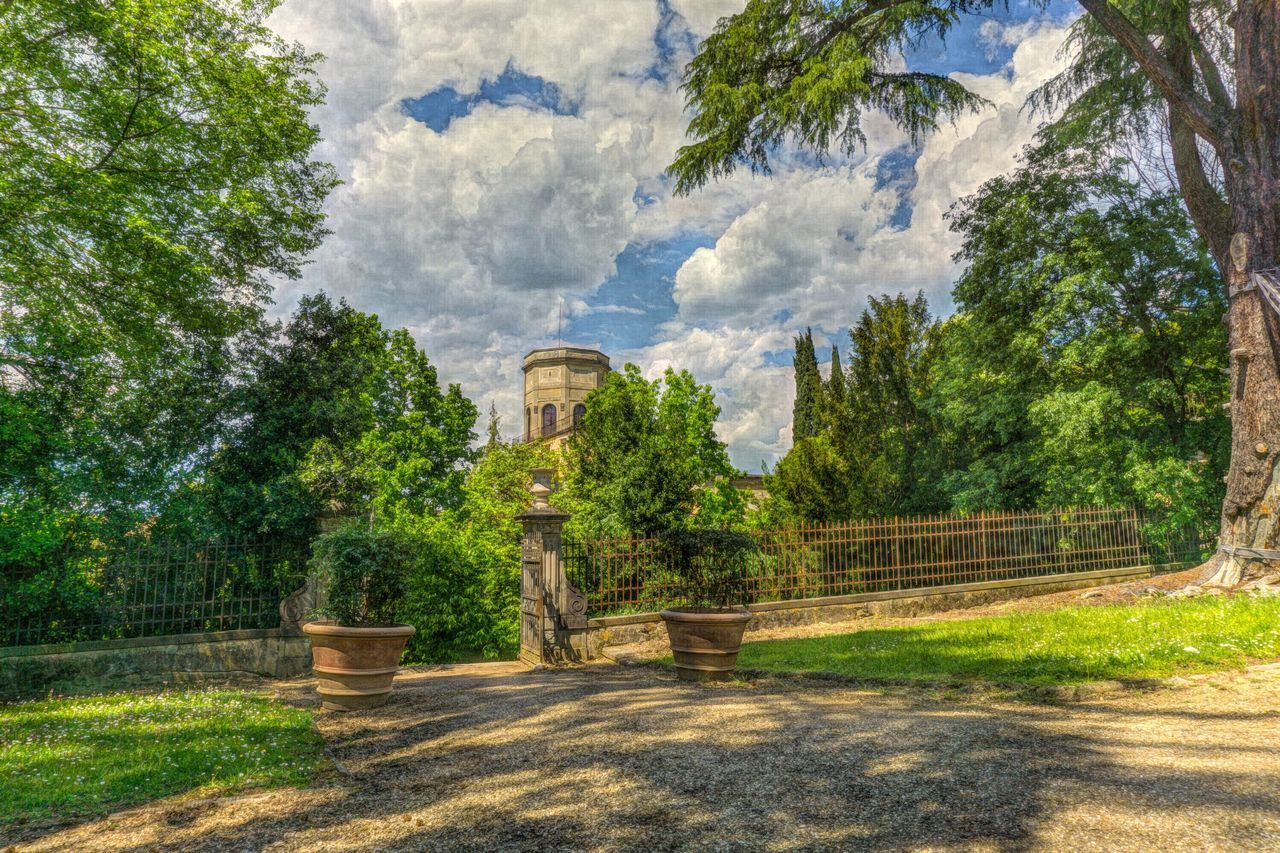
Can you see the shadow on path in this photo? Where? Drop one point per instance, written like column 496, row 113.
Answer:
column 493, row 757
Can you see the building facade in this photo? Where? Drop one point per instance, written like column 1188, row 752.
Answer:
column 557, row 381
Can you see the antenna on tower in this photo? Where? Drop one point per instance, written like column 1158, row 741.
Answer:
column 559, row 324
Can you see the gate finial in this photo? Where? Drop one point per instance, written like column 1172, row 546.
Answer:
column 541, row 489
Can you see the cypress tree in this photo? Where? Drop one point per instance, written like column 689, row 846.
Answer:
column 835, row 384
column 805, row 414
column 494, row 424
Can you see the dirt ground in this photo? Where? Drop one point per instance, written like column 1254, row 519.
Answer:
column 603, row 757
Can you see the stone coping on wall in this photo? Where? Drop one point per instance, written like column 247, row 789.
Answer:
column 215, row 657
column 1098, row 576
column 143, row 642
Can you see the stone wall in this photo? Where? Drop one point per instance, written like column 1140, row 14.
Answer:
column 218, row 657
column 633, row 628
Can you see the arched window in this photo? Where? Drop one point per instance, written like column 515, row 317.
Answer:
column 549, row 419
column 578, row 411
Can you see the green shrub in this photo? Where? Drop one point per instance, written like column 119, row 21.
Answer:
column 712, row 567
column 364, row 572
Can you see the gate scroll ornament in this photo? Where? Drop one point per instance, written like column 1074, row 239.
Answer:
column 553, row 612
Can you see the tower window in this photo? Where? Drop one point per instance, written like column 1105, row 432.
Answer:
column 578, row 411
column 549, row 419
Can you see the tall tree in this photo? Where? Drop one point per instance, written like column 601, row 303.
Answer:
column 1210, row 69
column 154, row 164
column 834, row 397
column 1084, row 363
column 877, row 451
column 339, row 414
column 807, row 410
column 891, row 436
column 646, row 459
column 155, row 174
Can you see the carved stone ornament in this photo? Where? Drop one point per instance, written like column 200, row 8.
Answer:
column 541, row 489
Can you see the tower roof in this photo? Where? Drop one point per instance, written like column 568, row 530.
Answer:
column 561, row 354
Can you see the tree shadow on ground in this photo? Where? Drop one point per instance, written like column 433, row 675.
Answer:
column 606, row 758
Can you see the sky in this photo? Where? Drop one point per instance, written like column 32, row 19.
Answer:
column 504, row 188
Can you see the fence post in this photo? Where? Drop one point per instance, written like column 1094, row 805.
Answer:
column 553, row 613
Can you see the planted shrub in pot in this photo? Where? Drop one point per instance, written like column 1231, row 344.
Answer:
column 713, row 579
column 355, row 650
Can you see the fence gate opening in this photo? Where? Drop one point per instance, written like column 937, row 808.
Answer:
column 553, row 613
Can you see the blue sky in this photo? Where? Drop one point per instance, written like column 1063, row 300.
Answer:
column 504, row 188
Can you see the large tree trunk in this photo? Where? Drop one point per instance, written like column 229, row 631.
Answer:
column 1250, row 517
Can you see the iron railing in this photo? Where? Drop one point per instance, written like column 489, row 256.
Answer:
column 145, row 588
column 892, row 554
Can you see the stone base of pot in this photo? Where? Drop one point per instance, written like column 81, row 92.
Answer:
column 354, row 667
column 705, row 643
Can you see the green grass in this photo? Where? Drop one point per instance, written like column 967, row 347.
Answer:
column 1150, row 640
column 92, row 755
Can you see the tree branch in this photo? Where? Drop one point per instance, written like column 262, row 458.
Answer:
column 1201, row 115
column 1212, row 216
column 138, row 98
column 1209, row 71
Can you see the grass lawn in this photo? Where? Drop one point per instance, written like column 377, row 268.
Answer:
column 1151, row 640
column 92, row 755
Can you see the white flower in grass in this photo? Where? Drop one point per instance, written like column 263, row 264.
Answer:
column 1191, row 650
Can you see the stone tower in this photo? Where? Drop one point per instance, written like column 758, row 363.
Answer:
column 556, row 383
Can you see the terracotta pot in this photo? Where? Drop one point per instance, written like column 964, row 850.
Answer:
column 354, row 666
column 705, row 643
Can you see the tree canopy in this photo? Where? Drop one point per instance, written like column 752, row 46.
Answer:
column 645, row 457
column 806, row 411
column 875, row 451
column 339, row 415
column 1085, row 365
column 155, row 166
column 155, row 175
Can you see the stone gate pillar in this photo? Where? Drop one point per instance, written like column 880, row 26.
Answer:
column 553, row 613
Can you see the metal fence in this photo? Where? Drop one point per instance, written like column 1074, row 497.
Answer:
column 890, row 554
column 147, row 588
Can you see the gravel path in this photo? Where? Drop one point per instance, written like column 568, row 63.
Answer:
column 495, row 757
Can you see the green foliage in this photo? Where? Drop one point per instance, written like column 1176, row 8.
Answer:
column 813, row 481
column 154, row 167
column 1105, row 99
column 364, row 574
column 1085, row 366
column 835, row 398
column 339, row 414
column 641, row 453
column 783, row 70
column 1150, row 640
column 93, row 443
column 77, row 758
column 876, row 450
column 891, row 437
column 464, row 588
column 154, row 176
column 806, row 411
column 710, row 568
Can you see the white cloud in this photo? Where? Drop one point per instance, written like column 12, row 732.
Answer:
column 471, row 237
